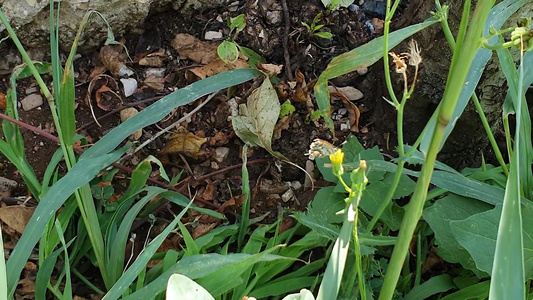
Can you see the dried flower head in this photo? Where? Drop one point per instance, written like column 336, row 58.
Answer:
column 400, row 62
column 414, row 53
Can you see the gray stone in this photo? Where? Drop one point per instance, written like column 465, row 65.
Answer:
column 31, row 101
column 31, row 23
column 213, row 35
column 6, row 186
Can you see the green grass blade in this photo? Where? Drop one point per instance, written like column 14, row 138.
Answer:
column 283, row 287
column 190, row 245
column 433, row 286
column 140, row 263
column 161, row 108
column 3, row 274
column 476, row 291
column 508, row 274
column 79, row 175
column 66, row 109
column 67, row 292
column 45, row 272
column 329, row 288
column 116, row 249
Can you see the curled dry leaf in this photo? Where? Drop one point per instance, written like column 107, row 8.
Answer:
column 218, row 66
column 353, row 111
column 270, row 69
column 157, row 83
column 184, row 142
column 153, row 60
column 192, row 48
column 111, row 58
column 126, row 114
column 107, row 99
column 350, row 92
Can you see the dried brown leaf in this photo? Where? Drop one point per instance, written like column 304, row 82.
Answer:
column 192, row 48
column 16, row 217
column 218, row 66
column 183, row 142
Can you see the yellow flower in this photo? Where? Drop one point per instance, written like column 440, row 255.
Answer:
column 336, row 160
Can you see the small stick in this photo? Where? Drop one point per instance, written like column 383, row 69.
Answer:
column 286, row 54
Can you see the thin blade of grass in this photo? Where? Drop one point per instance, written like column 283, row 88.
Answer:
column 433, row 286
column 508, row 272
column 129, row 276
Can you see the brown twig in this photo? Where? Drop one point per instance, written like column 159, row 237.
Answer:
column 286, row 54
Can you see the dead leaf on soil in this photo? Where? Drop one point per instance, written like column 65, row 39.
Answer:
column 192, row 48
column 184, row 142
column 270, row 69
column 16, row 217
column 220, row 139
column 202, row 229
column 3, row 101
column 233, row 203
column 157, row 83
column 154, row 60
column 282, row 124
column 113, row 59
column 107, row 99
column 218, row 66
column 126, row 114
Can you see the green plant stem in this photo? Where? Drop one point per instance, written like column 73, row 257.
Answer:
column 461, row 62
column 451, row 42
column 358, row 259
column 386, row 29
column 489, row 133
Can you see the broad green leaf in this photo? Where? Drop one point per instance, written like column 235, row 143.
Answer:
column 363, row 56
column 228, row 52
column 477, row 234
column 238, row 22
column 181, row 287
column 373, row 196
column 439, row 216
column 324, row 35
column 225, row 279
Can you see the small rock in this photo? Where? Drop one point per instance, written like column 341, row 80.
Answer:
column 342, row 111
column 345, row 126
column 125, row 71
column 156, row 72
column 130, row 86
column 272, row 187
column 31, row 101
column 288, row 195
column 31, row 90
column 362, row 71
column 310, row 169
column 296, row 185
column 352, row 7
column 274, row 16
column 126, row 114
column 214, row 166
column 221, row 153
column 213, row 35
column 6, row 186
